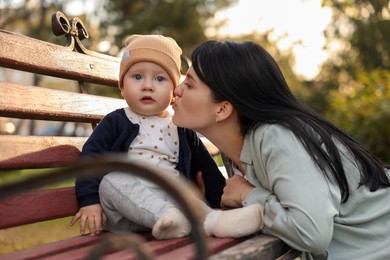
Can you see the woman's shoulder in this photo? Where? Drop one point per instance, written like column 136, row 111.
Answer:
column 272, row 135
column 270, row 130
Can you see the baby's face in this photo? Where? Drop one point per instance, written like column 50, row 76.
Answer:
column 147, row 89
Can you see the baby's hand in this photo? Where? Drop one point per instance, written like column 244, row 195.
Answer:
column 94, row 215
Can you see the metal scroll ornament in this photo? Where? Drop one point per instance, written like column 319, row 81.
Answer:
column 74, row 31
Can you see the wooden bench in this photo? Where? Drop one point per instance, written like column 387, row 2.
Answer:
column 28, row 201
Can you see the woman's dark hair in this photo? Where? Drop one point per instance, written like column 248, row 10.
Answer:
column 246, row 75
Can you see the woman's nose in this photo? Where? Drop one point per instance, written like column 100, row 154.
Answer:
column 178, row 90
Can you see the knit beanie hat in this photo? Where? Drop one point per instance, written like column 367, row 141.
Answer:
column 158, row 49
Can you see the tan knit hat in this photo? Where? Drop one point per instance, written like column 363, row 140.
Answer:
column 158, row 49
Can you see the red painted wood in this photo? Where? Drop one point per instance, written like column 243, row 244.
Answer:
column 188, row 252
column 157, row 247
column 54, row 248
column 28, row 152
column 39, row 205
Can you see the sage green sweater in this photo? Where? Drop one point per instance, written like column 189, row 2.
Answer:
column 304, row 209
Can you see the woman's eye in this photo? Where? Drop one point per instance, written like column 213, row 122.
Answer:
column 160, row 78
column 187, row 84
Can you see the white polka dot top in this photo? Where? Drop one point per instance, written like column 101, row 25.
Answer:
column 157, row 141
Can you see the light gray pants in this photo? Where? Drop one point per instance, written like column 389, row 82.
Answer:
column 130, row 204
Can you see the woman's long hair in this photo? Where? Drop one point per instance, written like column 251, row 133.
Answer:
column 246, row 75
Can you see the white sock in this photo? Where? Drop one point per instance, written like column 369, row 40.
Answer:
column 235, row 222
column 172, row 224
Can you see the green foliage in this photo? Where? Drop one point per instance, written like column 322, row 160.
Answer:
column 362, row 108
column 363, row 27
column 353, row 85
column 183, row 20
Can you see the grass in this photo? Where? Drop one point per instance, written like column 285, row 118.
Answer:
column 27, row 236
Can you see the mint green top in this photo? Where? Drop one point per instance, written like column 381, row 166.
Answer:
column 304, row 209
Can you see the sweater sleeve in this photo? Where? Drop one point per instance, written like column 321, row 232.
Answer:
column 299, row 201
column 100, row 142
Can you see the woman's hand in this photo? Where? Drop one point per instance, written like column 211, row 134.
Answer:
column 91, row 215
column 235, row 191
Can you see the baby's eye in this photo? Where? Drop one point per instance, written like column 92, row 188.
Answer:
column 137, row 77
column 160, row 78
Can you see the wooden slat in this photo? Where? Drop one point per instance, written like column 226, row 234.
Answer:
column 32, row 55
column 39, row 205
column 55, row 248
column 29, row 152
column 155, row 246
column 48, row 104
column 188, row 251
column 80, row 247
column 258, row 247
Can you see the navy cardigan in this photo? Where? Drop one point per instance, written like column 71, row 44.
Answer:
column 115, row 132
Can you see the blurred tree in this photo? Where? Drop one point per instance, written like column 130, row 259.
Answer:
column 363, row 109
column 362, row 29
column 354, row 83
column 183, row 20
column 358, row 39
column 113, row 20
column 30, row 17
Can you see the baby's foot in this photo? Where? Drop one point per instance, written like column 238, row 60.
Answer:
column 172, row 224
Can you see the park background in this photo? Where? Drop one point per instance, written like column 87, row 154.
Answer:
column 335, row 55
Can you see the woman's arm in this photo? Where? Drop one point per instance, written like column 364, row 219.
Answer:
column 300, row 203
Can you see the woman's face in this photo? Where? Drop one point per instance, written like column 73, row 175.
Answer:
column 194, row 106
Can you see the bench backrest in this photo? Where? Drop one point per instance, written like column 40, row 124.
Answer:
column 34, row 102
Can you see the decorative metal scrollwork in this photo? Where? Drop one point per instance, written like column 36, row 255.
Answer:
column 74, row 31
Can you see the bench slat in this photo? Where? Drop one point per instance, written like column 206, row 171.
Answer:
column 29, row 152
column 257, row 247
column 187, row 252
column 38, row 205
column 31, row 102
column 32, row 55
column 156, row 247
column 54, row 248
column 79, row 247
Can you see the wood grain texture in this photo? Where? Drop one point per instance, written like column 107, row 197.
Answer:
column 38, row 205
column 32, row 55
column 260, row 246
column 79, row 248
column 31, row 152
column 31, row 102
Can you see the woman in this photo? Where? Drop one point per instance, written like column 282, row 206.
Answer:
column 323, row 193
